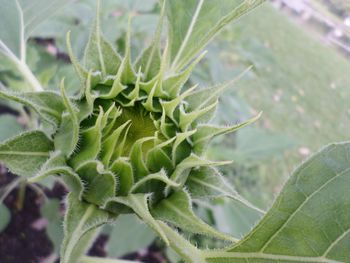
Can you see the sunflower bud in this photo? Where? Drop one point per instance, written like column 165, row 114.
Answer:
column 133, row 140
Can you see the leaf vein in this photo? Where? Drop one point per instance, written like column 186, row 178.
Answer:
column 301, row 205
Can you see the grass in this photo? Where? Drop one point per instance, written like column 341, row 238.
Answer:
column 301, row 85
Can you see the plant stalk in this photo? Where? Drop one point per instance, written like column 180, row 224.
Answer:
column 21, row 66
column 79, row 241
column 21, row 195
column 28, row 75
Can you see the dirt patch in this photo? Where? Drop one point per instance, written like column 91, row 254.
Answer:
column 19, row 242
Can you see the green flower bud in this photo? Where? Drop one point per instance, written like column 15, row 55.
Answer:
column 133, row 139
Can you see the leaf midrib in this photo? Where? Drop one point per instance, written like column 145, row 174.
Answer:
column 301, row 205
column 25, row 153
column 260, row 255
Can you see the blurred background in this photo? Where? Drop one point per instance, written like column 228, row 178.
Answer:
column 300, row 52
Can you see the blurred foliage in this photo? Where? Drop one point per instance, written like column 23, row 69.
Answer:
column 51, row 212
column 5, row 217
column 301, row 86
column 128, row 226
column 9, row 126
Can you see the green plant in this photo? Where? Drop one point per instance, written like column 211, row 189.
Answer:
column 133, row 140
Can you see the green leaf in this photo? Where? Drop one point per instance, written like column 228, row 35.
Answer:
column 51, row 211
column 207, row 182
column 139, row 203
column 89, row 143
column 183, row 247
column 205, row 133
column 202, row 103
column 80, row 224
column 26, row 153
column 11, row 26
column 125, row 227
column 18, row 19
column 128, row 76
column 100, row 185
column 5, row 217
column 109, row 144
column 9, row 126
column 174, row 83
column 56, row 165
column 47, row 104
column 182, row 169
column 82, row 73
column 193, row 23
column 187, row 120
column 177, row 210
column 35, row 12
column 99, row 54
column 67, row 135
column 309, row 221
column 136, row 158
column 157, row 157
column 160, row 176
column 150, row 59
column 123, row 170
column 234, row 218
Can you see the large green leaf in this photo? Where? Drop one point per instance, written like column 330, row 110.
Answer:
column 51, row 211
column 9, row 126
column 10, row 27
column 128, row 226
column 26, row 153
column 234, row 218
column 5, row 216
column 37, row 11
column 309, row 221
column 19, row 18
column 193, row 23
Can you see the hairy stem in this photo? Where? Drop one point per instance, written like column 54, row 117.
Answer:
column 69, row 255
column 181, row 246
column 22, row 67
column 21, row 194
column 28, row 75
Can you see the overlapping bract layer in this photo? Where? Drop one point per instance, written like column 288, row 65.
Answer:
column 133, row 132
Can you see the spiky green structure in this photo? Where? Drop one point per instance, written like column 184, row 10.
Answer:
column 132, row 140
